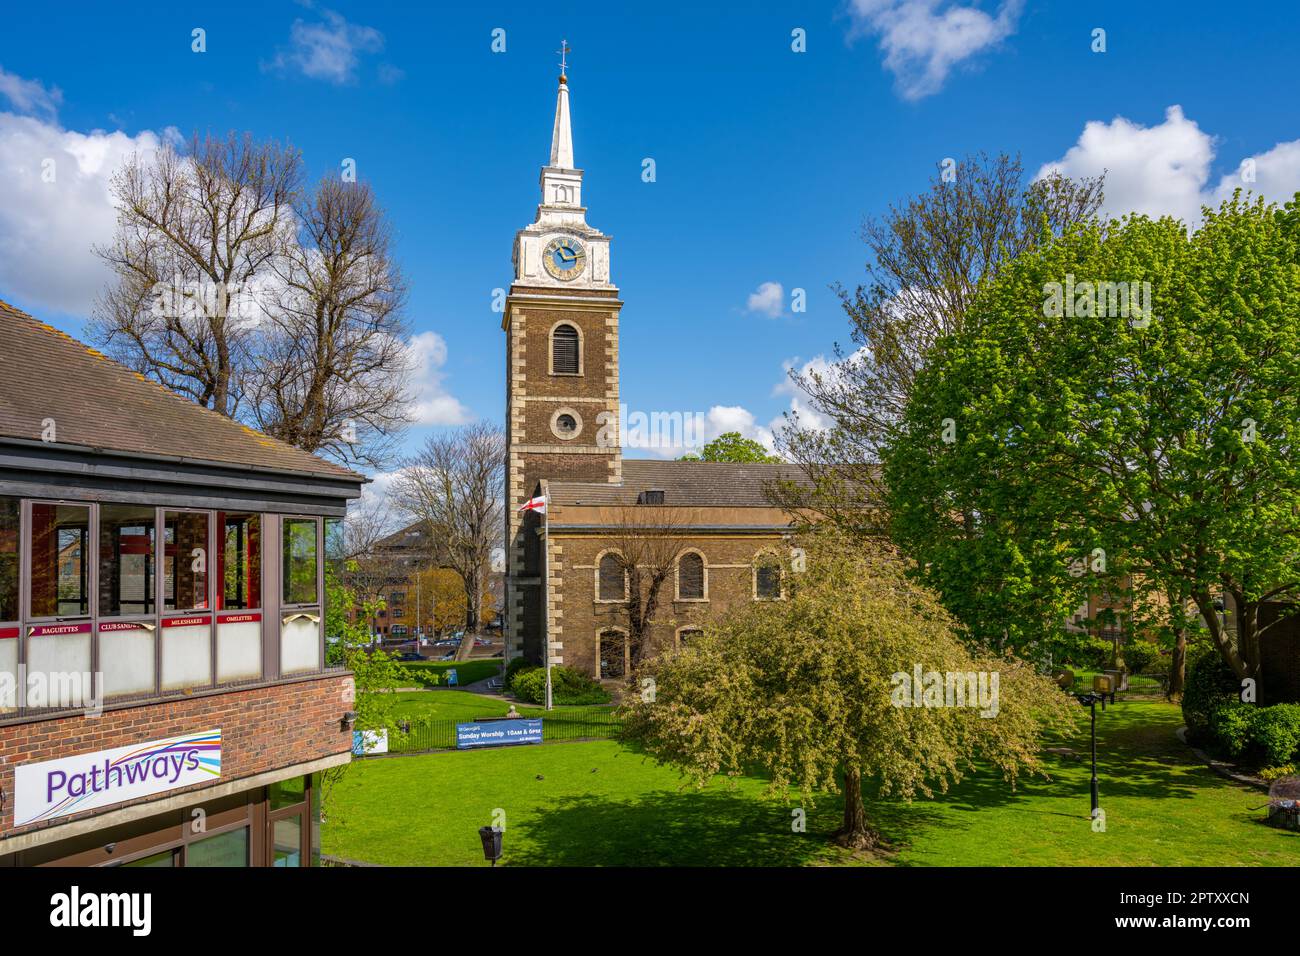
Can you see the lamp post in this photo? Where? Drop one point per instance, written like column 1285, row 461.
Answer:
column 1090, row 701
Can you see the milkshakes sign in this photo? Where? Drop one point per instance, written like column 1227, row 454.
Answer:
column 56, row 788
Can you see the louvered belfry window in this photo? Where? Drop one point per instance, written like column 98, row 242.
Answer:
column 611, row 578
column 564, row 350
column 690, row 577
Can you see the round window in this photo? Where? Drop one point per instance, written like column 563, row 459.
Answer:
column 566, row 424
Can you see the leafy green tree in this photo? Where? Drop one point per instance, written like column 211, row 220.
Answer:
column 733, row 447
column 1160, row 435
column 927, row 258
column 808, row 689
column 375, row 674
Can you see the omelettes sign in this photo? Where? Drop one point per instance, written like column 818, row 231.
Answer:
column 56, row 788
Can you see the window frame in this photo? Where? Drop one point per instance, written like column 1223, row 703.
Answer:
column 626, row 583
column 285, row 605
column 780, row 570
column 550, row 347
column 624, row 644
column 704, row 577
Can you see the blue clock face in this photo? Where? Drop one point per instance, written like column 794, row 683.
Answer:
column 564, row 257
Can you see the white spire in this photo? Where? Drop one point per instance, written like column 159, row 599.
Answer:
column 562, row 134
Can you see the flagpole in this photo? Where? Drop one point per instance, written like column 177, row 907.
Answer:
column 546, row 585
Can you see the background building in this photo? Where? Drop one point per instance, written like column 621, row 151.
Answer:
column 561, row 323
column 164, row 698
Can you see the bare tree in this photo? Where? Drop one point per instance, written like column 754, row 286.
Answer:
column 647, row 540
column 259, row 299
column 194, row 231
column 928, row 258
column 453, row 485
column 333, row 369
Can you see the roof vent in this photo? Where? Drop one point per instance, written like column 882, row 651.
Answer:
column 653, row 496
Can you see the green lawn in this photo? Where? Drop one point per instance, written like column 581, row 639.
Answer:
column 465, row 706
column 434, row 673
column 600, row 804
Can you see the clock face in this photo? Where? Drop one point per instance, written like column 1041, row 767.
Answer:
column 564, row 258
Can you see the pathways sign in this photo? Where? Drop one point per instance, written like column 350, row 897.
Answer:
column 498, row 733
column 56, row 788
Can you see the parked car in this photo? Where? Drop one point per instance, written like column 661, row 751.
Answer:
column 448, row 657
column 409, row 656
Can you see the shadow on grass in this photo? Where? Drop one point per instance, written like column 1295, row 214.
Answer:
column 1138, row 757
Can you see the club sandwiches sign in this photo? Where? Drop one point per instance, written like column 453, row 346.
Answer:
column 56, row 788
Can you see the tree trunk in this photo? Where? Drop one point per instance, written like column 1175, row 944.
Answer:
column 471, row 603
column 855, row 833
column 1178, row 664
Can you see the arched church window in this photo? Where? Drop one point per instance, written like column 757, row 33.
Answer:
column 612, row 584
column 690, row 577
column 564, row 350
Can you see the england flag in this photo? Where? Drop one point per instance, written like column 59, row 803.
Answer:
column 535, row 504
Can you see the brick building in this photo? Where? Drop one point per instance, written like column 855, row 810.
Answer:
column 562, row 410
column 393, row 571
column 164, row 696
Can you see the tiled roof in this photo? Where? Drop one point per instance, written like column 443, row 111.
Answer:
column 98, row 403
column 692, row 484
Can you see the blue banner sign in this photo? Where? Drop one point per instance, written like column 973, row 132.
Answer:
column 499, row 733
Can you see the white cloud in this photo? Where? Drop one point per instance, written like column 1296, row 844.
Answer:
column 721, row 419
column 924, row 39
column 47, row 228
column 30, row 96
column 327, row 50
column 375, row 494
column 808, row 416
column 433, row 405
column 768, row 299
column 1165, row 169
column 1276, row 174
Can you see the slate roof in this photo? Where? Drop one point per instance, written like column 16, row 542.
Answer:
column 100, row 404
column 689, row 484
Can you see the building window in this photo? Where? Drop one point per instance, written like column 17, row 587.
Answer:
column 690, row 577
column 239, row 577
column 767, row 578
column 288, row 842
column 241, row 561
column 565, row 350
column 566, row 424
column 613, row 649
column 611, row 582
column 187, row 551
column 300, row 629
column 10, row 509
column 223, row 849
column 59, row 583
column 126, row 560
column 127, row 580
column 300, row 561
column 687, row 635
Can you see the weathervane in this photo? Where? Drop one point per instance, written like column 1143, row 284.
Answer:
column 564, row 51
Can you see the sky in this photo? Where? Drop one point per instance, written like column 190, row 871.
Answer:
column 775, row 128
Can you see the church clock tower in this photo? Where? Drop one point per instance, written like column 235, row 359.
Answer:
column 561, row 325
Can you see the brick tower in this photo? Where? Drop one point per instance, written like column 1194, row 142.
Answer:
column 561, row 325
